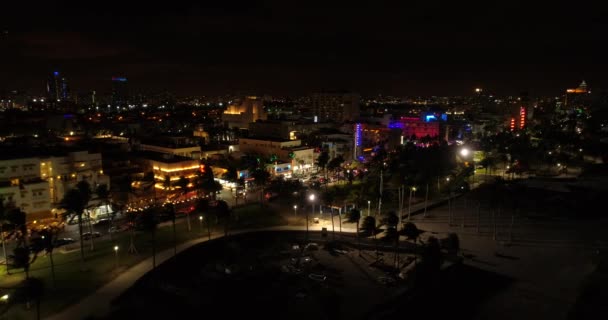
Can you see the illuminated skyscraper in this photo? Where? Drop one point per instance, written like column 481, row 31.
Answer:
column 120, row 93
column 57, row 89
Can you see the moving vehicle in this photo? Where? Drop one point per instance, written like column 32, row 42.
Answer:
column 317, row 277
column 63, row 241
column 88, row 235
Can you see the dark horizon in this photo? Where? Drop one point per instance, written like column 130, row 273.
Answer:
column 287, row 49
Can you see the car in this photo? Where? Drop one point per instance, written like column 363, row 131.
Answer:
column 87, row 235
column 63, row 241
column 388, row 281
column 317, row 277
column 103, row 222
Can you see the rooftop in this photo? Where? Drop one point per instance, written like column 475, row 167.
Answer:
column 161, row 157
column 273, row 139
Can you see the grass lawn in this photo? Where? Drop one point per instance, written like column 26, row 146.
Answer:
column 72, row 284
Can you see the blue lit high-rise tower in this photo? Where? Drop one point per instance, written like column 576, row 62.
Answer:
column 57, row 89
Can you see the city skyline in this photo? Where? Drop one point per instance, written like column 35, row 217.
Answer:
column 278, row 48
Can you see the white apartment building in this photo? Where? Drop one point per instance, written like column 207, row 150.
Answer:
column 37, row 184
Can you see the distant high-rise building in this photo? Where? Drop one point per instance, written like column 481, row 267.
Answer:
column 120, row 93
column 335, row 106
column 577, row 97
column 57, row 88
column 244, row 111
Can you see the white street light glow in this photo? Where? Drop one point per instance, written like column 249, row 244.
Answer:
column 464, row 152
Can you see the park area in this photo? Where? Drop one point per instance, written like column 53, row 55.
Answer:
column 103, row 264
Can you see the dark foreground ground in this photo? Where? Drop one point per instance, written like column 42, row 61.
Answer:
column 246, row 277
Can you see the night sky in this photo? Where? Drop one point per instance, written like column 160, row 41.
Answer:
column 294, row 47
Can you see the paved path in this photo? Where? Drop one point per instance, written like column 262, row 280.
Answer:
column 99, row 303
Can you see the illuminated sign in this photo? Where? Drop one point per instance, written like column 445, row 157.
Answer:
column 358, row 135
column 522, row 117
column 512, row 126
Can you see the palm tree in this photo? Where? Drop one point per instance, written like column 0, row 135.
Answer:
column 132, row 219
column 30, row 289
column 223, row 213
column 391, row 221
column 322, row 161
column 103, row 195
column 354, row 216
column 74, row 204
column 183, row 185
column 45, row 243
column 85, row 192
column 329, row 198
column 16, row 217
column 3, row 221
column 169, row 211
column 21, row 259
column 411, row 231
column 369, row 226
column 202, row 207
column 149, row 222
column 261, row 177
column 166, row 184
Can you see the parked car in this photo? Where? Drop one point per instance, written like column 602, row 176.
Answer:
column 63, row 241
column 87, row 235
column 317, row 277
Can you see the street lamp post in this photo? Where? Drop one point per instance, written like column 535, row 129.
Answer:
column 116, row 255
column 200, row 223
column 312, row 199
column 295, row 210
column 409, row 205
column 369, row 203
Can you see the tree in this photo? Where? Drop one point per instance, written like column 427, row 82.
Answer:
column 3, row 222
column 431, row 258
column 21, row 259
column 354, row 216
column 149, row 222
column 103, row 195
column 16, row 217
column 30, row 289
column 222, row 212
column 410, row 231
column 45, row 242
column 84, row 189
column 74, row 204
column 451, row 244
column 167, row 184
column 169, row 211
column 329, row 198
column 335, row 163
column 261, row 177
column 183, row 185
column 322, row 160
column 390, row 220
column 369, row 227
column 202, row 207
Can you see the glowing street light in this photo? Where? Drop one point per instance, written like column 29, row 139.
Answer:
column 200, row 222
column 116, row 255
column 312, row 199
column 409, row 204
column 369, row 203
column 464, row 152
column 295, row 210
